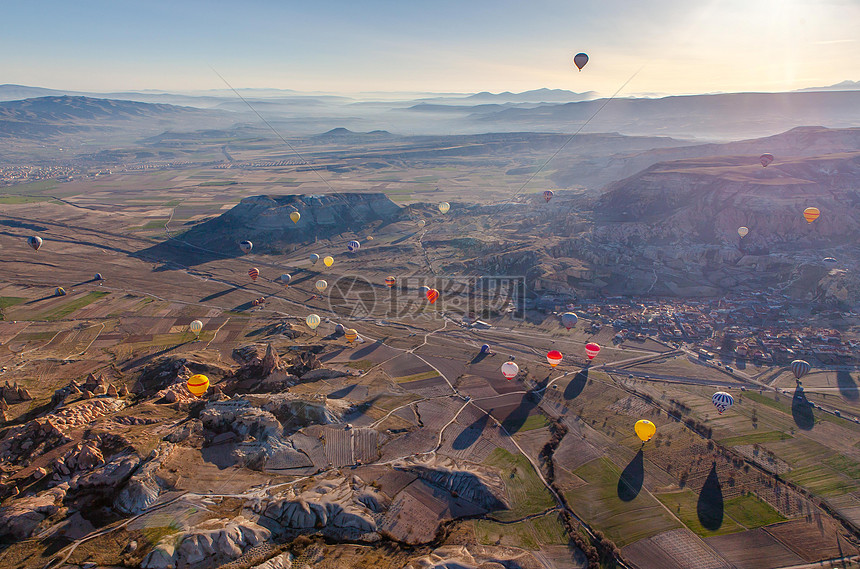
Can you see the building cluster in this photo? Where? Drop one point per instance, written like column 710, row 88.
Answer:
column 12, row 175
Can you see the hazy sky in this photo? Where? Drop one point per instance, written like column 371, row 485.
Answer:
column 443, row 45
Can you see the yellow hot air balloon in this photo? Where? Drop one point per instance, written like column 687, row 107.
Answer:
column 444, row 207
column 312, row 321
column 350, row 334
column 321, row 285
column 328, row 261
column 811, row 214
column 644, row 430
column 198, row 384
column 742, row 231
column 196, row 327
column 295, row 216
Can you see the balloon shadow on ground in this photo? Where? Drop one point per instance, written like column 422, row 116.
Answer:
column 367, row 350
column 630, row 482
column 710, row 507
column 479, row 358
column 847, row 385
column 342, row 392
column 577, row 384
column 219, row 294
column 801, row 410
column 518, row 417
column 148, row 358
column 471, row 434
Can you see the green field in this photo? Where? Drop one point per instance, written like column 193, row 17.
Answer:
column 69, row 307
column 683, row 504
column 8, row 301
column 752, row 512
column 526, row 492
column 755, row 438
column 537, row 421
column 622, row 522
column 11, row 200
column 529, row 534
column 418, row 376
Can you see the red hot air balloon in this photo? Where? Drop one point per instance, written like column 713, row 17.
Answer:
column 547, row 195
column 553, row 358
column 591, row 350
column 389, row 281
column 432, row 295
column 253, row 273
column 766, row 159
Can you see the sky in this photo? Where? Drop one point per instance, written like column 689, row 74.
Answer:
column 677, row 47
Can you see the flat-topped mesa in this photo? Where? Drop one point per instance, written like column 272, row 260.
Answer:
column 265, row 220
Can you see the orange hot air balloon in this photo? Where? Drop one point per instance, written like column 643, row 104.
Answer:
column 591, row 350
column 553, row 358
column 432, row 295
column 389, row 281
column 811, row 214
column 350, row 334
column 253, row 273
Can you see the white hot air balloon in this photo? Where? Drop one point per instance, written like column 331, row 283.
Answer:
column 510, row 370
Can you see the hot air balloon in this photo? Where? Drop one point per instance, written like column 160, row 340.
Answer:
column 421, row 223
column 98, row 277
column 766, row 159
column 811, row 214
column 295, row 216
column 328, row 261
column 830, row 260
column 580, row 59
column 510, row 370
column 312, row 321
column 547, row 195
column 591, row 350
column 253, row 273
column 424, row 290
column 432, row 295
column 60, row 291
column 353, row 246
column 246, row 246
column 742, row 231
column 444, row 207
column 553, row 358
column 339, row 329
column 722, row 401
column 390, row 281
column 569, row 320
column 370, row 237
column 800, row 368
column 644, row 430
column 285, row 279
column 35, row 242
column 314, row 258
column 196, row 326
column 485, row 349
column 350, row 334
column 321, row 285
column 198, row 384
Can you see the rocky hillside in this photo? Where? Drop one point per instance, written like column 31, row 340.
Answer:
column 265, row 220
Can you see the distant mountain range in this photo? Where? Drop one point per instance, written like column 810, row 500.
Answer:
column 843, row 86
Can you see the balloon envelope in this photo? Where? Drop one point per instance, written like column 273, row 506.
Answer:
column 350, row 334
column 35, row 242
column 421, row 223
column 444, row 207
column 312, row 321
column 98, row 277
column 198, row 384
column 60, row 291
column 742, row 231
column 811, row 214
column 553, row 358
column 432, row 295
column 390, row 281
column 547, row 195
column 339, row 329
column 314, row 258
column 722, row 401
column 485, row 349
column 295, row 216
column 353, row 245
column 800, row 368
column 328, row 261
column 644, row 430
column 591, row 350
column 321, row 285
column 196, row 326
column 510, row 370
column 285, row 279
column 580, row 59
column 246, row 246
column 253, row 273
column 830, row 260
column 766, row 159
column 569, row 320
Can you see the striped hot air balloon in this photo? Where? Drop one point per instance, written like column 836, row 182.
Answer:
column 591, row 350
column 350, row 334
column 390, row 281
column 722, row 401
column 312, row 321
column 60, row 291
column 198, row 384
column 353, row 246
column 553, row 358
column 196, row 327
column 811, row 214
column 766, row 159
column 321, row 285
column 444, row 207
column 547, row 195
column 800, row 368
column 35, row 242
column 432, row 295
column 253, row 273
